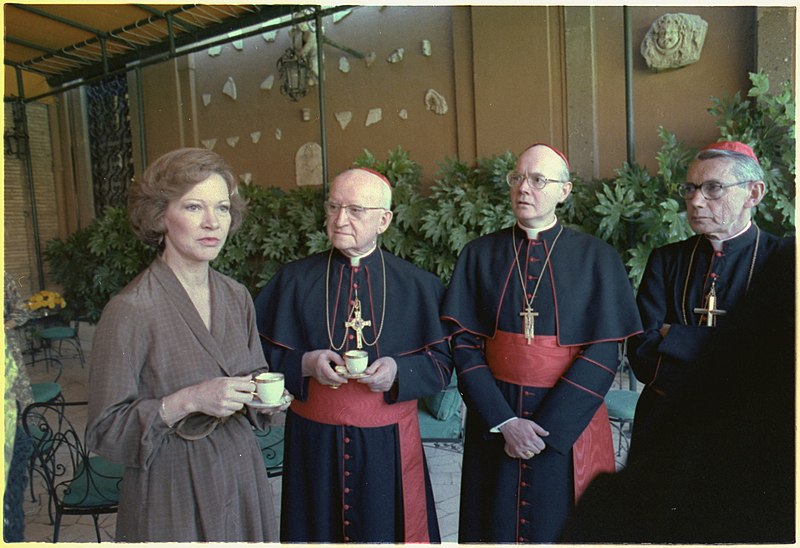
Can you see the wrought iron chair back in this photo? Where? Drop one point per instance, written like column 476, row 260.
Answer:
column 77, row 482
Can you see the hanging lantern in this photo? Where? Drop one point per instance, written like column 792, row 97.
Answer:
column 294, row 70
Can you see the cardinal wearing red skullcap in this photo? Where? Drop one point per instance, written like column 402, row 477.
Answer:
column 354, row 466
column 693, row 286
column 537, row 312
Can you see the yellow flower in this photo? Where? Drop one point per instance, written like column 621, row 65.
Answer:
column 48, row 299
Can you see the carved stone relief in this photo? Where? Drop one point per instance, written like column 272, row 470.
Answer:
column 674, row 40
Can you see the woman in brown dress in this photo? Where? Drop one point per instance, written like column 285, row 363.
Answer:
column 171, row 368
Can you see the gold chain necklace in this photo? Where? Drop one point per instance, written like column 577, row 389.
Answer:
column 689, row 272
column 528, row 313
column 354, row 316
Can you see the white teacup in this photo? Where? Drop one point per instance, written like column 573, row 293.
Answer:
column 269, row 387
column 356, row 361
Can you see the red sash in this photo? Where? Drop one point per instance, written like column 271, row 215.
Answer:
column 353, row 404
column 541, row 364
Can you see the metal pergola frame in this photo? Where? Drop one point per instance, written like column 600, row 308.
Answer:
column 79, row 68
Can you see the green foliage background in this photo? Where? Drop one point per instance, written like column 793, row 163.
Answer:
column 635, row 212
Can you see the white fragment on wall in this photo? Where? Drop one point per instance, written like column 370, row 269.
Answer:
column 396, row 56
column 209, row 143
column 214, row 51
column 229, row 88
column 344, row 118
column 403, row 114
column 370, row 58
column 268, row 82
column 255, row 137
column 269, row 36
column 232, row 141
column 206, row 99
column 344, row 64
column 435, row 102
column 374, row 116
column 339, row 15
column 426, row 48
column 278, row 134
column 246, row 178
column 238, row 44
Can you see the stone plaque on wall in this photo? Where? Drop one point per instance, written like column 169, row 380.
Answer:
column 308, row 165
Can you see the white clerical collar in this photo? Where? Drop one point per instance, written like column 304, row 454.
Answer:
column 355, row 261
column 533, row 233
column 717, row 244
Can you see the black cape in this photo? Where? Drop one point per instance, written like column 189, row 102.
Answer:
column 594, row 298
column 291, row 320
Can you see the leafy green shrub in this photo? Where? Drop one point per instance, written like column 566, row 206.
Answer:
column 95, row 262
column 637, row 212
column 767, row 124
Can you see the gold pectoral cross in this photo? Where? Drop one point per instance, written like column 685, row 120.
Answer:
column 710, row 310
column 357, row 323
column 528, row 316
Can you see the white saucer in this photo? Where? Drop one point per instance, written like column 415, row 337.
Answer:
column 255, row 403
column 342, row 370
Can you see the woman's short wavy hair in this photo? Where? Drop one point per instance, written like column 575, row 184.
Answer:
column 170, row 177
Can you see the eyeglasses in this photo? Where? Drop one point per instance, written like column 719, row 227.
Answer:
column 711, row 190
column 537, row 181
column 353, row 211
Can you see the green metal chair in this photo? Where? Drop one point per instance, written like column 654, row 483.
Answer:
column 60, row 334
column 77, row 482
column 621, row 404
column 270, row 441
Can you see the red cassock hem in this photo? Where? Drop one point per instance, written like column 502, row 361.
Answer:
column 353, row 404
column 593, row 451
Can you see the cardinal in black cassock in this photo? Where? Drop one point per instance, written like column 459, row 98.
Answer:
column 354, row 467
column 537, row 311
column 691, row 287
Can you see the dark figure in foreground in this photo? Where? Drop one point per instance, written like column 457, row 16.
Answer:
column 719, row 467
column 690, row 287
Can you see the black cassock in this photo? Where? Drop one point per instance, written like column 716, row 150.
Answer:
column 354, row 467
column 669, row 294
column 585, row 306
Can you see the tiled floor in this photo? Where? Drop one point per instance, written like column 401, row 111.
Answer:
column 444, row 463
